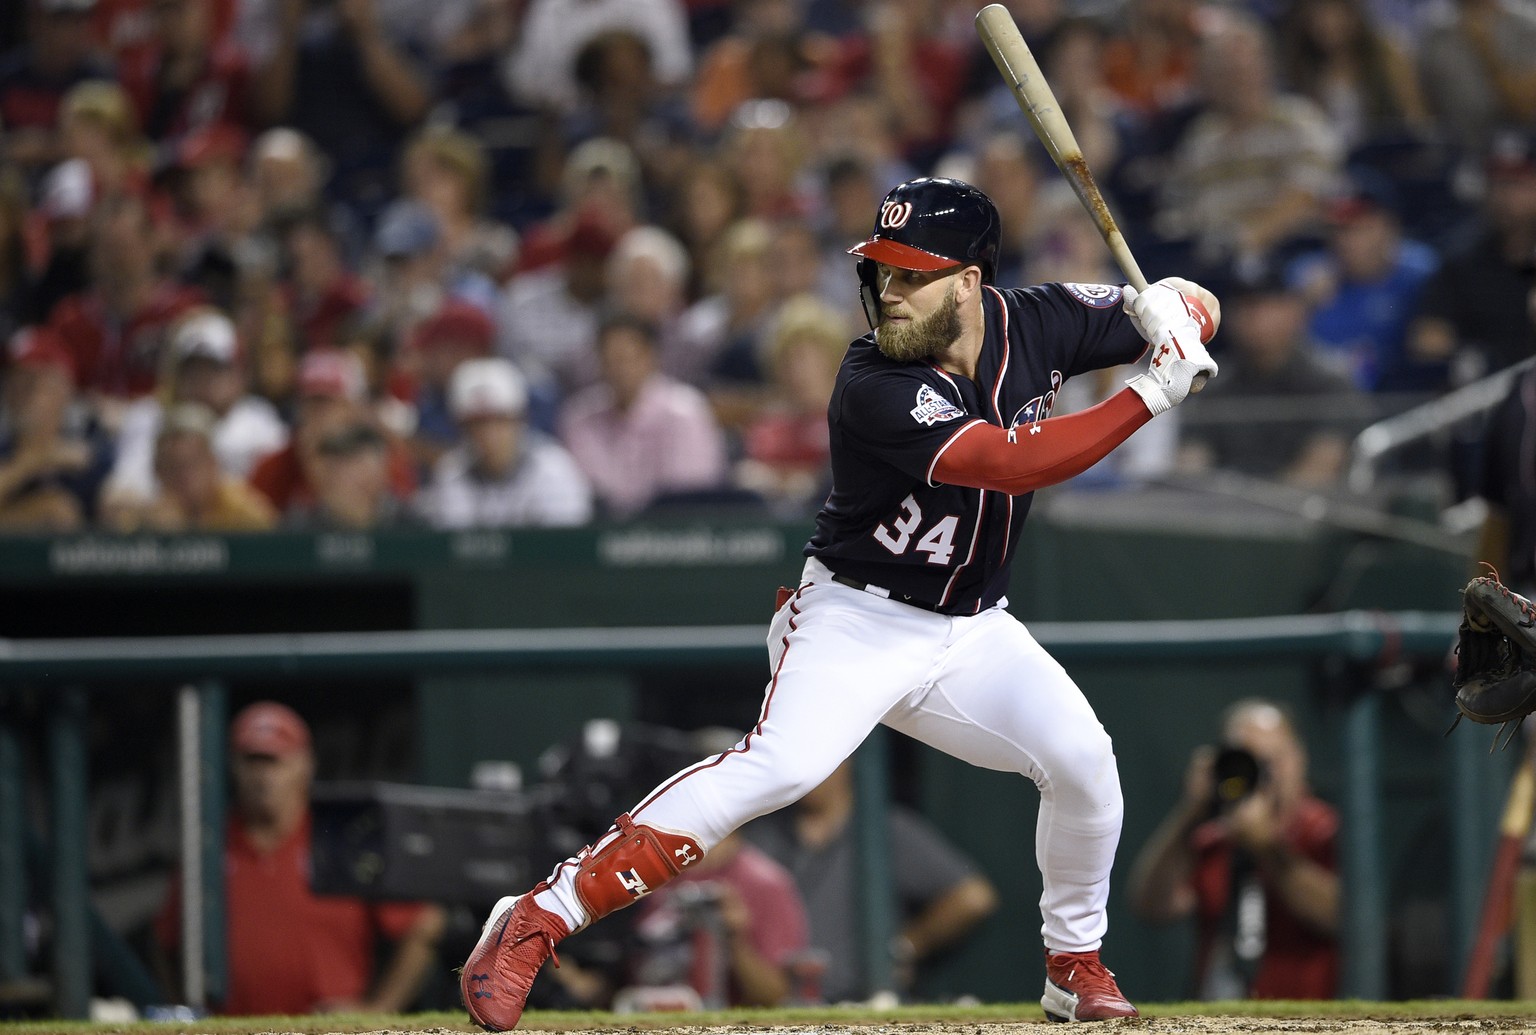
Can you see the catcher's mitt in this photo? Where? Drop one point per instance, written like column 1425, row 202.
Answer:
column 1495, row 653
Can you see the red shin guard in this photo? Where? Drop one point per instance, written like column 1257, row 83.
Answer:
column 638, row 862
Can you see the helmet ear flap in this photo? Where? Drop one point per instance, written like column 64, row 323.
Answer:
column 869, row 291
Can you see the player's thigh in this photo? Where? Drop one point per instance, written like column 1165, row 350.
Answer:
column 839, row 667
column 1000, row 701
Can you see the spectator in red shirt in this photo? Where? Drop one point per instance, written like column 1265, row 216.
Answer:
column 116, row 330
column 292, row 951
column 1250, row 853
column 731, row 929
column 332, row 398
column 185, row 79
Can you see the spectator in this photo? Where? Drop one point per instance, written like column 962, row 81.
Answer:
column 288, row 173
column 60, row 232
column 941, row 895
column 732, row 929
column 192, row 493
column 638, row 434
column 415, row 277
column 600, row 183
column 1008, row 172
column 204, row 368
column 1270, row 362
column 1477, row 64
column 648, row 277
column 1150, row 61
column 1507, row 539
column 1251, row 171
column 719, row 335
column 1250, row 854
column 324, row 298
column 707, row 201
column 540, row 70
column 786, row 453
column 342, row 75
column 768, row 54
column 267, row 896
column 116, row 330
column 764, row 147
column 351, row 488
column 446, row 170
column 1364, row 288
column 332, row 394
column 504, row 473
column 548, row 317
column 53, row 455
column 456, row 332
column 59, row 54
column 97, row 123
column 1473, row 310
column 218, row 212
column 186, row 78
column 1332, row 52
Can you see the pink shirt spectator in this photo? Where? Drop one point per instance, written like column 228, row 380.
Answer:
column 778, row 930
column 667, row 441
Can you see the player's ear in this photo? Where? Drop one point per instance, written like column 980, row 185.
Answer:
column 969, row 283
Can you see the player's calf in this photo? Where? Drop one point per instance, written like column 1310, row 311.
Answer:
column 521, row 933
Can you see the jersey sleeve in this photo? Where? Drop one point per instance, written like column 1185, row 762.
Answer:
column 1080, row 327
column 903, row 417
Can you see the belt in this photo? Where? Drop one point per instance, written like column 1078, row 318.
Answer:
column 880, row 591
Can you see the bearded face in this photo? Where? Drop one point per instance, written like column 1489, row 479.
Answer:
column 913, row 339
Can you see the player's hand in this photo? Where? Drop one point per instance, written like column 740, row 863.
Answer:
column 1174, row 316
column 1172, row 305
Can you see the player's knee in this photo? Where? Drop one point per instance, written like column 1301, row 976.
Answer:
column 1083, row 762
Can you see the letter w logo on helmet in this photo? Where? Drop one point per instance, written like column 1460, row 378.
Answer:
column 894, row 214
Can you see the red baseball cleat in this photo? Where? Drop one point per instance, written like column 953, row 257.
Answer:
column 1078, row 987
column 519, row 936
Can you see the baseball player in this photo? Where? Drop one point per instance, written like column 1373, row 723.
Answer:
column 941, row 427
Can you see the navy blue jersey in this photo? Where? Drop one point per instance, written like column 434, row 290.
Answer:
column 886, row 523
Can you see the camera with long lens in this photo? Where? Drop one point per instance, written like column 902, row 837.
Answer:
column 1236, row 774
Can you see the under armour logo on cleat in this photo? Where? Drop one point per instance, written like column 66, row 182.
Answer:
column 480, row 993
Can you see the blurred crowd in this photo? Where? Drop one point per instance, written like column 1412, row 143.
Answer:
column 351, row 264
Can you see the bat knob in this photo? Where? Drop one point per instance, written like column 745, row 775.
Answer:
column 1199, row 382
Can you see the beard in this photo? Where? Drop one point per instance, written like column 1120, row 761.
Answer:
column 921, row 339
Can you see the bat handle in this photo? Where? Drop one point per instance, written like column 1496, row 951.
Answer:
column 1199, row 382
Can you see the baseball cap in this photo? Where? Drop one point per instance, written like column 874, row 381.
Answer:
column 268, row 728
column 455, row 323
column 1366, row 192
column 406, row 228
column 332, row 373
column 208, row 334
column 592, row 236
column 218, row 142
column 487, row 388
column 68, row 190
column 40, row 348
column 1512, row 152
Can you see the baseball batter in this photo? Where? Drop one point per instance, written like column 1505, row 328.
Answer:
column 941, row 427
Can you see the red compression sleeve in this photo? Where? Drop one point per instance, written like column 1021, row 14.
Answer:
column 1057, row 448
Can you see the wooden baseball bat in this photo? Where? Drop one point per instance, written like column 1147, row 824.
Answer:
column 1000, row 35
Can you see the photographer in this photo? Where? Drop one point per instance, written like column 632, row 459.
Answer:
column 1250, row 854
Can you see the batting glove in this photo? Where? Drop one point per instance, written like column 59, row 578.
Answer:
column 1172, row 304
column 1178, row 352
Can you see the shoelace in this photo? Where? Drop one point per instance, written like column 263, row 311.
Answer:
column 527, row 930
column 1095, row 976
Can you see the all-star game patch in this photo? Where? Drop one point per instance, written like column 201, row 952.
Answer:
column 932, row 408
column 1094, row 296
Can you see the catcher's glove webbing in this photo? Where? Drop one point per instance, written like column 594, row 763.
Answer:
column 1495, row 654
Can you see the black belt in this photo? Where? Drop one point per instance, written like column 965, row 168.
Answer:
column 867, row 588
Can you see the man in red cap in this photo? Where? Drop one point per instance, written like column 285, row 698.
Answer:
column 332, row 397
column 291, row 951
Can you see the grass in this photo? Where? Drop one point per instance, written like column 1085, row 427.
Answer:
column 839, row 1017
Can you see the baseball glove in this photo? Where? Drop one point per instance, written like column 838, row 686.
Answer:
column 1495, row 678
